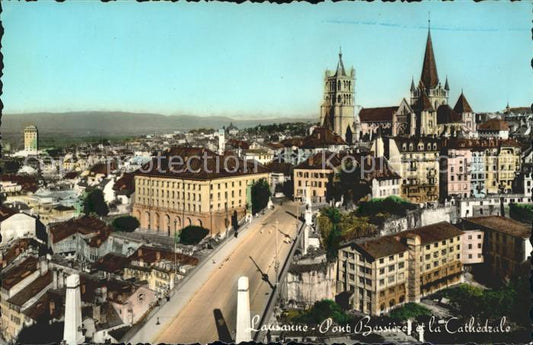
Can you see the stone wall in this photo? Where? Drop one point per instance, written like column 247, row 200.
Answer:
column 309, row 281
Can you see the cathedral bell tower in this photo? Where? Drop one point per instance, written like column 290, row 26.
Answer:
column 337, row 110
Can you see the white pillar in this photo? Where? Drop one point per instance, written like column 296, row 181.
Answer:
column 72, row 333
column 244, row 332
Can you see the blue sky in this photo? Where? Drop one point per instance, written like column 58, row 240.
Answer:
column 254, row 60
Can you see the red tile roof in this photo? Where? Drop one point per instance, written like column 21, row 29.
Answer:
column 381, row 114
column 396, row 243
column 198, row 164
column 6, row 212
column 502, row 224
column 84, row 225
column 494, row 125
column 32, row 289
column 151, row 255
column 16, row 274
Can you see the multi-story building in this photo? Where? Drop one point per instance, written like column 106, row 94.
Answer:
column 477, row 173
column 472, row 247
column 311, row 177
column 456, row 169
column 506, row 245
column 20, row 283
column 502, row 165
column 494, row 128
column 416, row 160
column 86, row 237
column 386, row 272
column 194, row 186
column 490, row 205
column 31, row 139
column 159, row 267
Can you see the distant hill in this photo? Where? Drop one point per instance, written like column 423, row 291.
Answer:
column 99, row 123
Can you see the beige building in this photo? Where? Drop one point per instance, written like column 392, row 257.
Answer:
column 502, row 165
column 416, row 160
column 506, row 245
column 31, row 139
column 160, row 268
column 312, row 176
column 193, row 186
column 389, row 271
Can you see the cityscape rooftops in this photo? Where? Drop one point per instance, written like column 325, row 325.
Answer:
column 494, row 125
column 84, row 225
column 16, row 274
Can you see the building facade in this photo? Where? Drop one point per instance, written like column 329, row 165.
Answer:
column 386, row 272
column 170, row 197
column 31, row 139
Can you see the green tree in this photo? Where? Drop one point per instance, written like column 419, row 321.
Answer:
column 322, row 310
column 410, row 311
column 192, row 234
column 126, row 223
column 260, row 195
column 94, row 203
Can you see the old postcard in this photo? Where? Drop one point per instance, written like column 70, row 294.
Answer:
column 346, row 172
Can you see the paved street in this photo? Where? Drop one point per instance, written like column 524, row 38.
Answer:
column 190, row 315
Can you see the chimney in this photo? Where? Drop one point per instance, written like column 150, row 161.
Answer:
column 158, row 255
column 43, row 265
column 140, row 252
column 54, row 279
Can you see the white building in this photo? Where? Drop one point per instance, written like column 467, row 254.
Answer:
column 16, row 225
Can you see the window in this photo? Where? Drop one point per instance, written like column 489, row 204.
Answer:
column 382, row 260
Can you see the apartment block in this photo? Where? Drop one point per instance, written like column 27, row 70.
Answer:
column 383, row 273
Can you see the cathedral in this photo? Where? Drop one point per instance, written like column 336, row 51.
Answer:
column 337, row 110
column 426, row 113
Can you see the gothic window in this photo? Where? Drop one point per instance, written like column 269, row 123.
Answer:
column 338, row 85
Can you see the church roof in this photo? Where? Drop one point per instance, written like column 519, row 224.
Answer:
column 382, row 114
column 340, row 67
column 445, row 114
column 429, row 75
column 462, row 105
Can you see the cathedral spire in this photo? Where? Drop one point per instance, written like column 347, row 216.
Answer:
column 413, row 84
column 429, row 74
column 340, row 65
column 446, row 86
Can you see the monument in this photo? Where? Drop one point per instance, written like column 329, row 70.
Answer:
column 72, row 333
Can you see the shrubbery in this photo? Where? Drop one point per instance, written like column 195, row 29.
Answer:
column 409, row 311
column 320, row 311
column 126, row 223
column 378, row 210
column 521, row 212
column 193, row 234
